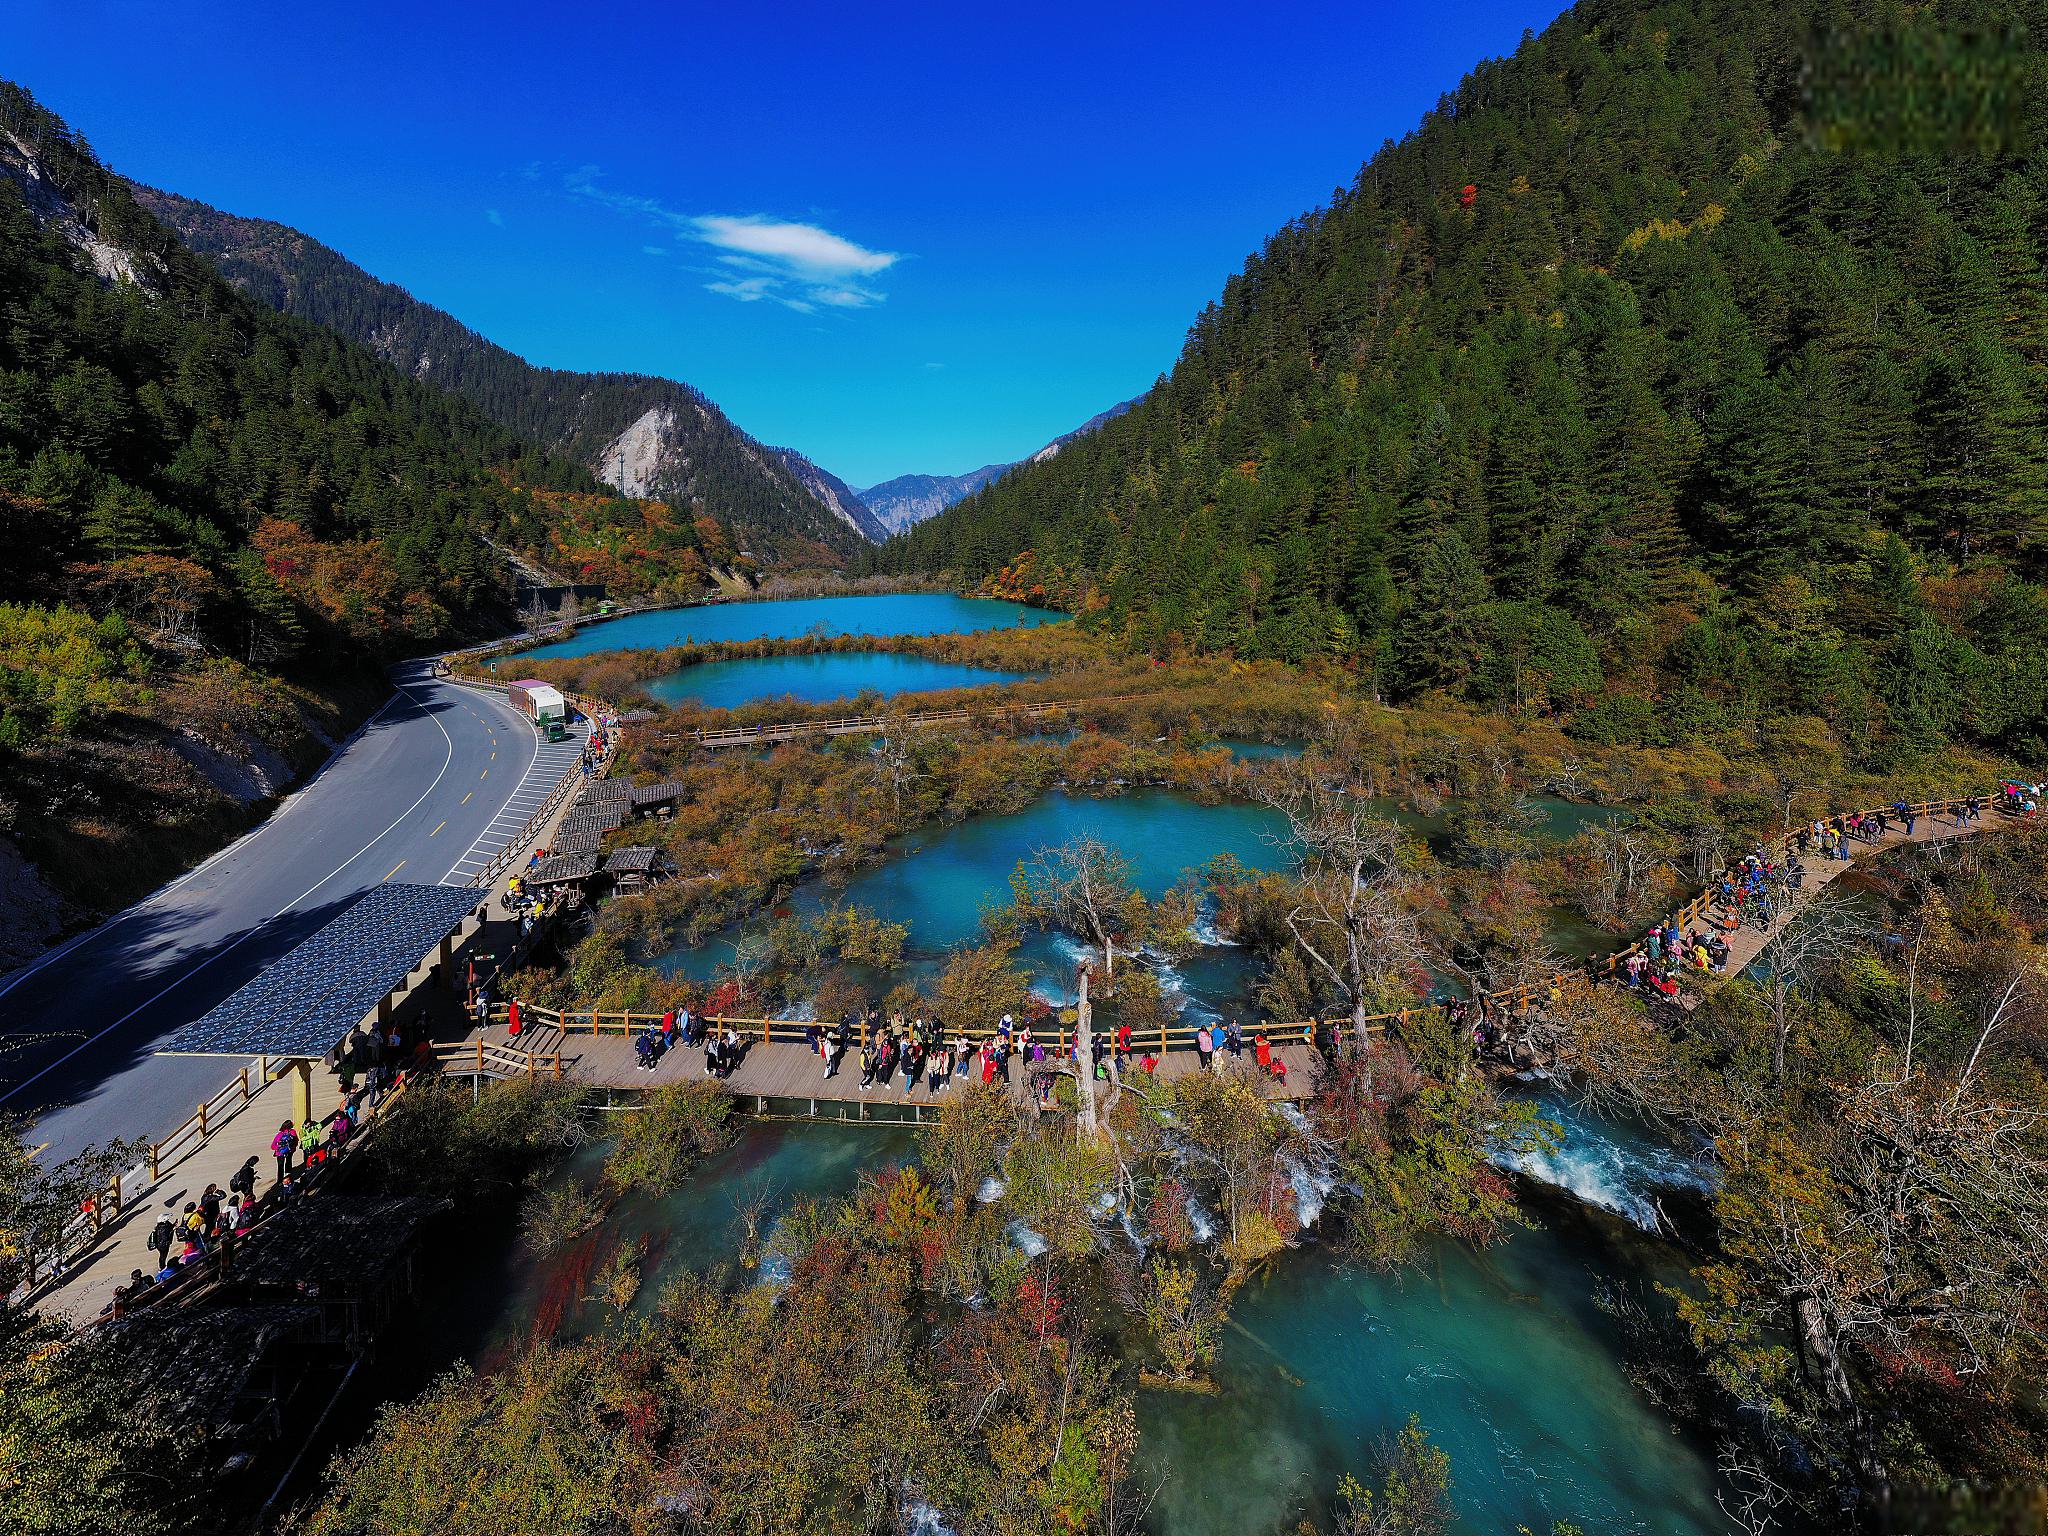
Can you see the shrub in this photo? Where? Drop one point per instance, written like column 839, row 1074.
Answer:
column 677, row 1128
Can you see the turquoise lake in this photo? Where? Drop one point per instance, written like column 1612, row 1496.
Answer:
column 1502, row 1354
column 940, row 880
column 902, row 613
column 817, row 679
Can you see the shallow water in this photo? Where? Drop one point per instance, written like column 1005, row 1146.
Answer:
column 941, row 879
column 902, row 613
column 691, row 1229
column 816, row 679
column 1503, row 1356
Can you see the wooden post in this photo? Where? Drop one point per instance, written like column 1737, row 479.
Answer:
column 202, row 1120
column 302, row 1090
column 1084, row 1058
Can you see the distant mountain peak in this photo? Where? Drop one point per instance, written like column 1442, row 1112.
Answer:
column 908, row 500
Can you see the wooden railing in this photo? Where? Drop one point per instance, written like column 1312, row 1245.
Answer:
column 192, row 1276
column 487, row 1058
column 1049, row 1031
column 130, row 1183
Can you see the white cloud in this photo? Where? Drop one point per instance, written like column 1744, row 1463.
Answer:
column 495, row 217
column 654, row 250
column 802, row 266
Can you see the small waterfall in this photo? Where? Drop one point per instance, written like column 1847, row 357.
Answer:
column 991, row 1191
column 1613, row 1166
column 1203, row 1223
column 1026, row 1241
column 1312, row 1189
column 1204, row 928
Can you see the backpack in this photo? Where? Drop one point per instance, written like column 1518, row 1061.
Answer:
column 162, row 1234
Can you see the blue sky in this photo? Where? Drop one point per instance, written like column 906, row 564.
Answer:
column 897, row 238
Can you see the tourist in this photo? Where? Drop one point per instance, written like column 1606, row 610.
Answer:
column 1233, row 1038
column 243, row 1182
column 1123, row 1046
column 163, row 1234
column 284, row 1146
column 192, row 1226
column 1205, row 1045
column 841, row 1036
column 1148, row 1063
column 988, row 1063
column 647, row 1046
column 1264, row 1053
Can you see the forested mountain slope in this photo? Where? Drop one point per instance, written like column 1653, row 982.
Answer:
column 645, row 436
column 1685, row 368
column 216, row 523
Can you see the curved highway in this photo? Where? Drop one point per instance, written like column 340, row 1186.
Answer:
column 425, row 792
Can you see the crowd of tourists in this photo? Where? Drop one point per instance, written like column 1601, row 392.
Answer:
column 920, row 1053
column 724, row 1050
column 199, row 1235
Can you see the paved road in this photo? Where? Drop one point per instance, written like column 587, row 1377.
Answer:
column 425, row 792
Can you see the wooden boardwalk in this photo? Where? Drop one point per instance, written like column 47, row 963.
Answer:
column 87, row 1285
column 792, row 1072
column 1746, row 941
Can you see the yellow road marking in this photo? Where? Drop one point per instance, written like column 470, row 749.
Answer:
column 394, row 870
column 466, row 798
column 437, row 829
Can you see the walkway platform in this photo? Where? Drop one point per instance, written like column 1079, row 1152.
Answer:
column 87, row 1286
column 793, row 1072
column 1746, row 942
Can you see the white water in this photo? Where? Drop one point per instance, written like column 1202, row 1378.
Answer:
column 1614, row 1167
column 1029, row 1243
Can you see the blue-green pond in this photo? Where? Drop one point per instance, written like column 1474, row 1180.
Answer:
column 900, row 613
column 816, row 679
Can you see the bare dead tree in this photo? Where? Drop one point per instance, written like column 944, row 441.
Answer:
column 896, row 753
column 1353, row 918
column 1753, row 1497
column 1823, row 931
column 1627, row 866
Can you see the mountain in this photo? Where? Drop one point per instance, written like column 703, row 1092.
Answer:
column 835, row 493
column 219, row 523
column 910, row 499
column 645, row 436
column 1684, row 371
column 1093, row 423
